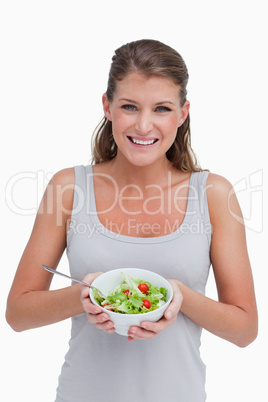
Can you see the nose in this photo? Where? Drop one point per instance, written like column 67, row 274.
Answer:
column 144, row 123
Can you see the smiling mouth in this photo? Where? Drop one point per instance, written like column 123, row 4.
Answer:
column 141, row 142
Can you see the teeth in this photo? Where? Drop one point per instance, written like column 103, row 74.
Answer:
column 140, row 142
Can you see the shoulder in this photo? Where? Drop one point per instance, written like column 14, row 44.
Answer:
column 64, row 177
column 218, row 186
column 60, row 191
column 222, row 201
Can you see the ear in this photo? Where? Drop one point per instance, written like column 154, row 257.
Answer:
column 184, row 113
column 106, row 107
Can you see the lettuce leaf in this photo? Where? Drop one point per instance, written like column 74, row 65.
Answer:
column 131, row 302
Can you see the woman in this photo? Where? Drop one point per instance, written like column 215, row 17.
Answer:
column 143, row 203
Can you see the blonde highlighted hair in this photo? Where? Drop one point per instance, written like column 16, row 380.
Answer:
column 151, row 58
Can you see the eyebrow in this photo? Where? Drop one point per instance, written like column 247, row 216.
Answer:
column 158, row 103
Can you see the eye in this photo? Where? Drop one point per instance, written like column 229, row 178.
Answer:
column 129, row 107
column 163, row 109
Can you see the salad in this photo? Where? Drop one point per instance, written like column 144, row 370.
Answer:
column 132, row 296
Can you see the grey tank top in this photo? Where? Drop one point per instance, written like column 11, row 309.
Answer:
column 106, row 367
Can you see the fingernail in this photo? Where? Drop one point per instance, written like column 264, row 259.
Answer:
column 169, row 314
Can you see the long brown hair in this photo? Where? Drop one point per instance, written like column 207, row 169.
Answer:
column 151, row 58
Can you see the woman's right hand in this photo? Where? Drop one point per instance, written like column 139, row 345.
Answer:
column 94, row 313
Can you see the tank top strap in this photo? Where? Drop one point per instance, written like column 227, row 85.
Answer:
column 90, row 191
column 81, row 202
column 80, row 191
column 197, row 198
column 84, row 197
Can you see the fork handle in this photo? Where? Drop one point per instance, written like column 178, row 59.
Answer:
column 53, row 271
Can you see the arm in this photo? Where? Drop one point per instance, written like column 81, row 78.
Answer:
column 30, row 303
column 234, row 316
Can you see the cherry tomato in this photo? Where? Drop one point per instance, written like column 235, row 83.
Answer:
column 106, row 308
column 146, row 303
column 143, row 287
column 126, row 292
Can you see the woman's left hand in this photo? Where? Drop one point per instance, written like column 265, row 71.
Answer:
column 147, row 329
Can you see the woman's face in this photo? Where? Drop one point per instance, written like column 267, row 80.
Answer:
column 145, row 115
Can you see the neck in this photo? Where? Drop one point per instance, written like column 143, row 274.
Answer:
column 127, row 173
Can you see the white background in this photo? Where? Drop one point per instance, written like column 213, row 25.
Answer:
column 55, row 57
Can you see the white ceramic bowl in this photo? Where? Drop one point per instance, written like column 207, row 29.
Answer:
column 108, row 281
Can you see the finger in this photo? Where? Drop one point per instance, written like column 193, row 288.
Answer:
column 154, row 327
column 89, row 307
column 84, row 292
column 140, row 333
column 89, row 278
column 158, row 326
column 176, row 302
column 98, row 318
column 84, row 295
column 107, row 327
